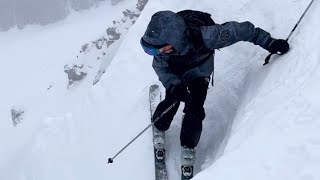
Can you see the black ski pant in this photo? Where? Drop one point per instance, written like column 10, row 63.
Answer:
column 194, row 113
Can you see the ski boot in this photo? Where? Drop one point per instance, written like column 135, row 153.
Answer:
column 188, row 158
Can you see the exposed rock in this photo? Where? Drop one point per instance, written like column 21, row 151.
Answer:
column 75, row 74
column 113, row 33
column 49, row 87
column 16, row 115
column 130, row 14
column 141, row 4
column 84, row 48
column 92, row 53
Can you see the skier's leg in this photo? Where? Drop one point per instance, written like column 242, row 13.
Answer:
column 194, row 113
column 192, row 125
column 163, row 123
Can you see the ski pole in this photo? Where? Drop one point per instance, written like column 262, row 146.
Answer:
column 295, row 27
column 110, row 160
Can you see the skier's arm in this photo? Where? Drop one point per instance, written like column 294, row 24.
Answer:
column 219, row 36
column 166, row 76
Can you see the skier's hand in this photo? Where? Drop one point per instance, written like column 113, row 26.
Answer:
column 278, row 46
column 180, row 92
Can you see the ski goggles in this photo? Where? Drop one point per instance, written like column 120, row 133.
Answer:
column 155, row 50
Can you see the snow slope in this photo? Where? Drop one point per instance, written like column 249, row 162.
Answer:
column 33, row 79
column 261, row 121
column 275, row 134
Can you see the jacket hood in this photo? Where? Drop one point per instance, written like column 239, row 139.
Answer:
column 167, row 27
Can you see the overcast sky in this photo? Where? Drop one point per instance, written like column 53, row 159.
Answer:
column 22, row 12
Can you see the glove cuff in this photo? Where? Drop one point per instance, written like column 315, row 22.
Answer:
column 269, row 43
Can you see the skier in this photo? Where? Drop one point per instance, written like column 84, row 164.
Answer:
column 184, row 64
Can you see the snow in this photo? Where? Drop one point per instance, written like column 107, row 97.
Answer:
column 261, row 121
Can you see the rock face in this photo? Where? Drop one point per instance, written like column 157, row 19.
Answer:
column 75, row 73
column 17, row 115
column 141, row 4
column 116, row 31
column 92, row 54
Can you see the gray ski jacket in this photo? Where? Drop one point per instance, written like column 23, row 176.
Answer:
column 186, row 64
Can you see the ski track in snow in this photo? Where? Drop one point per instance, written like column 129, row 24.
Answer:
column 261, row 122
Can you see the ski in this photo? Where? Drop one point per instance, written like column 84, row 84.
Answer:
column 188, row 158
column 186, row 172
column 158, row 137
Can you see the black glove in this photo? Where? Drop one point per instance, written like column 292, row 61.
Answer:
column 180, row 92
column 278, row 46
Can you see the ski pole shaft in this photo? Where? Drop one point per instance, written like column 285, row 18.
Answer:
column 110, row 160
column 294, row 28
